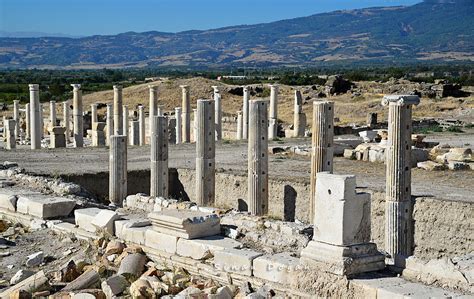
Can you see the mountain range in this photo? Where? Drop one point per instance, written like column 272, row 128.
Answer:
column 433, row 31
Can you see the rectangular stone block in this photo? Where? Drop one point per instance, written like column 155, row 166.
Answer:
column 132, row 231
column 160, row 241
column 84, row 218
column 279, row 268
column 104, row 221
column 199, row 249
column 185, row 223
column 236, row 260
column 8, row 201
column 44, row 206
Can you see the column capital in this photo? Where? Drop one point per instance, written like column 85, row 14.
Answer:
column 118, row 87
column 76, row 86
column 34, row 87
column 186, row 87
column 274, row 86
column 153, row 87
column 216, row 88
column 178, row 109
column 401, row 100
column 246, row 87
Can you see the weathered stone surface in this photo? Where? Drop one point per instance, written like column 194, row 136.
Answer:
column 44, row 206
column 114, row 285
column 132, row 231
column 204, row 248
column 8, row 201
column 104, row 221
column 35, row 259
column 454, row 165
column 235, row 260
column 160, row 241
column 185, row 223
column 278, row 268
column 430, row 165
column 84, row 218
column 20, row 276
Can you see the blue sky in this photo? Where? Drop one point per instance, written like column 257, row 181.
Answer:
column 88, row 17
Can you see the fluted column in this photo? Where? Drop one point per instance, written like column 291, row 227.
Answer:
column 239, row 125
column 177, row 113
column 118, row 106
column 194, row 125
column 245, row 113
column 94, row 118
column 125, row 122
column 218, row 112
column 153, row 90
column 16, row 117
column 77, row 116
column 109, row 122
column 299, row 118
column 117, row 170
column 273, row 114
column 258, row 158
column 27, row 121
column 399, row 208
column 159, row 157
column 66, row 120
column 141, row 120
column 35, row 126
column 205, row 153
column 322, row 146
column 186, row 114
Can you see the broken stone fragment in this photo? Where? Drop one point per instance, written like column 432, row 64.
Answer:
column 104, row 221
column 141, row 288
column 20, row 276
column 35, row 259
column 114, row 247
column 132, row 266
column 430, row 166
column 114, row 285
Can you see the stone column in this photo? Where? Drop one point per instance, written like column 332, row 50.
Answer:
column 66, row 120
column 141, row 129
column 109, row 122
column 125, row 121
column 398, row 206
column 371, row 119
column 94, row 117
column 10, row 127
column 153, row 106
column 118, row 124
column 245, row 113
column 258, row 158
column 52, row 114
column 56, row 137
column 160, row 110
column 41, row 121
column 77, row 116
column 134, row 137
column 16, row 117
column 177, row 113
column 273, row 115
column 186, row 114
column 299, row 119
column 27, row 121
column 117, row 170
column 194, row 124
column 98, row 134
column 218, row 112
column 159, row 157
column 239, row 125
column 205, row 153
column 322, row 146
column 35, row 126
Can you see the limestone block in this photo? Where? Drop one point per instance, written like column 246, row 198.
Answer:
column 459, row 154
column 350, row 212
column 104, row 220
column 45, row 207
column 349, row 154
column 84, row 218
column 279, row 268
column 185, row 223
column 236, row 260
column 430, row 165
column 199, row 249
column 376, row 156
column 160, row 241
column 8, row 201
column 129, row 232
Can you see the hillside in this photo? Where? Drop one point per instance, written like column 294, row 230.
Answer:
column 434, row 30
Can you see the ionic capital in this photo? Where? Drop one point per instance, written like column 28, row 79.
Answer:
column 401, row 100
column 34, row 87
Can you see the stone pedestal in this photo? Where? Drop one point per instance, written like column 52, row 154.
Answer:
column 239, row 126
column 218, row 112
column 299, row 119
column 177, row 114
column 205, row 153
column 94, row 118
column 341, row 240
column 186, row 116
column 399, row 207
column 134, row 137
column 159, row 157
column 9, row 126
column 66, row 120
column 35, row 116
column 118, row 106
column 245, row 113
column 98, row 134
column 117, row 170
column 258, row 158
column 109, row 123
column 57, row 138
column 27, row 121
column 141, row 120
column 16, row 117
column 77, row 116
column 322, row 145
column 273, row 114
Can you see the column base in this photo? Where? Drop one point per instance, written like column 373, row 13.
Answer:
column 343, row 260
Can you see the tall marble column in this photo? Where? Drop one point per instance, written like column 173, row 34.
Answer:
column 218, row 112
column 16, row 117
column 273, row 115
column 77, row 116
column 194, row 125
column 299, row 118
column 10, row 127
column 186, row 114
column 398, row 204
column 159, row 157
column 66, row 120
column 245, row 113
column 27, row 121
column 177, row 113
column 118, row 106
column 52, row 113
column 125, row 122
column 117, row 170
column 322, row 146
column 141, row 120
column 35, row 126
column 258, row 158
column 134, row 137
column 41, row 121
column 239, row 125
column 109, row 122
column 205, row 153
column 94, row 118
